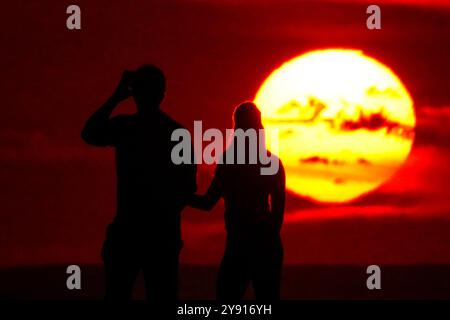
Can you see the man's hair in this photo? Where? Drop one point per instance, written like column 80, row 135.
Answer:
column 150, row 82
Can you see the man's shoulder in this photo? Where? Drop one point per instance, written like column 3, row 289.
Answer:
column 170, row 122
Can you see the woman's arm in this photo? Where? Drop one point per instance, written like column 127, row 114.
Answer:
column 209, row 199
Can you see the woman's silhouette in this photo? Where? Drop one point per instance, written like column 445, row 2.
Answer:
column 254, row 209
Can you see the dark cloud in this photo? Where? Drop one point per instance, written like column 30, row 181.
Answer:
column 335, row 162
column 364, row 162
column 322, row 160
column 368, row 121
column 433, row 126
column 307, row 113
column 315, row 159
column 372, row 121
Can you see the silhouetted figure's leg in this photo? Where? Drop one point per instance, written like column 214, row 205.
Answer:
column 233, row 277
column 119, row 280
column 267, row 264
column 121, row 271
column 121, row 263
column 161, row 275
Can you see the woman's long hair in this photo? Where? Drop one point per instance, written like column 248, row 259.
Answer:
column 247, row 116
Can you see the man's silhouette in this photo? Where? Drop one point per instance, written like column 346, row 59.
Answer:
column 151, row 191
column 254, row 210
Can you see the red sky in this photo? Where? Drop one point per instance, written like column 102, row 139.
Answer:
column 58, row 194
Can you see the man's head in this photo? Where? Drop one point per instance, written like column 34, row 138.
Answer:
column 148, row 87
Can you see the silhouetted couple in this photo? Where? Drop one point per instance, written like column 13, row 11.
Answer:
column 152, row 191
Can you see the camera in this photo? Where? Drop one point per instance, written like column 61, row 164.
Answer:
column 130, row 79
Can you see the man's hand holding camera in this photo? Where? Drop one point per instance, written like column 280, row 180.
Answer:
column 124, row 88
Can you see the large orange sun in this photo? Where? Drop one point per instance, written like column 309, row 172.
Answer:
column 345, row 123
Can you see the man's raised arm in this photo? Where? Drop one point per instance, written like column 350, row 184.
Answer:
column 98, row 129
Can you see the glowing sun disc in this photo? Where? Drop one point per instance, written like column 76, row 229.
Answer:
column 346, row 123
